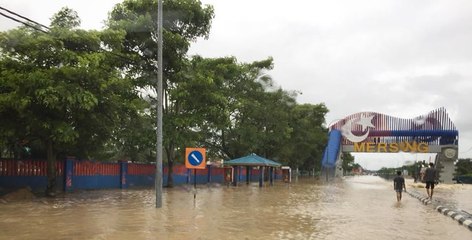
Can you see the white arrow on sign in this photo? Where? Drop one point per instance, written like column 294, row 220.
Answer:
column 194, row 157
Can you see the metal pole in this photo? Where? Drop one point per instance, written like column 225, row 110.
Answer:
column 194, row 183
column 159, row 108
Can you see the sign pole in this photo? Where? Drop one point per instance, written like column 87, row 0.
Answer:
column 194, row 183
column 195, row 158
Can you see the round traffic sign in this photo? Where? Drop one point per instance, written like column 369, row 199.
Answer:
column 195, row 158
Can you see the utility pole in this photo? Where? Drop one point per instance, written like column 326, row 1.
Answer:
column 159, row 108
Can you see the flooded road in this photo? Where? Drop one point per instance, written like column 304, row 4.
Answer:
column 353, row 208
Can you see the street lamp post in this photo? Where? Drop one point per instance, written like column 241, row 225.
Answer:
column 158, row 181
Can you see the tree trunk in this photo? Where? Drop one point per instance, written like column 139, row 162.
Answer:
column 170, row 167
column 51, row 164
column 170, row 178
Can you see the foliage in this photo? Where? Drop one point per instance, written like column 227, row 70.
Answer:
column 66, row 18
column 61, row 90
column 464, row 167
column 308, row 138
column 240, row 112
column 91, row 93
column 230, row 108
column 239, row 117
column 348, row 162
column 387, row 171
column 184, row 21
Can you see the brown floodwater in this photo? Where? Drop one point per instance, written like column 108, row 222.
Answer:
column 353, row 208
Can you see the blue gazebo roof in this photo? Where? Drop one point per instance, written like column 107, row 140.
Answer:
column 252, row 160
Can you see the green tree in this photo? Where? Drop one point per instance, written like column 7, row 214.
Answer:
column 230, row 108
column 66, row 18
column 201, row 103
column 210, row 97
column 348, row 162
column 308, row 138
column 241, row 109
column 464, row 167
column 184, row 22
column 61, row 90
column 272, row 118
column 238, row 111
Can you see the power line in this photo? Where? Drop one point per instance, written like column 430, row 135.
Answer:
column 26, row 24
column 47, row 32
column 27, row 19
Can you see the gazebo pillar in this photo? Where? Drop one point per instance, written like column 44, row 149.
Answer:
column 271, row 175
column 240, row 170
column 236, row 175
column 248, row 174
column 261, row 176
column 209, row 173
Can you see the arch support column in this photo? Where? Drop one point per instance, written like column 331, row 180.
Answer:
column 445, row 164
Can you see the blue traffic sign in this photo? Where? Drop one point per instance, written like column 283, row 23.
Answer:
column 195, row 158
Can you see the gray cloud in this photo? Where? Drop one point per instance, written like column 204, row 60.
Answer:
column 394, row 57
column 401, row 58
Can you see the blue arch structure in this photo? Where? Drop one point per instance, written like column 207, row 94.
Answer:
column 330, row 154
column 434, row 129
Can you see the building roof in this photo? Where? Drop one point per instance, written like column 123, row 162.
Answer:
column 252, row 160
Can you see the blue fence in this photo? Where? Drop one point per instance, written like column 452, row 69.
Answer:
column 72, row 174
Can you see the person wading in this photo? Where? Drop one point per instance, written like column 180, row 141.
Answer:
column 399, row 185
column 430, row 177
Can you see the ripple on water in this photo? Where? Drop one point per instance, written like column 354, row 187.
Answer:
column 355, row 208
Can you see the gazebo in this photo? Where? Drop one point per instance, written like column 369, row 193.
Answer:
column 249, row 162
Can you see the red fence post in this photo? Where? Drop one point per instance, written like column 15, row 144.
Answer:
column 209, row 173
column 123, row 174
column 3, row 169
column 15, row 168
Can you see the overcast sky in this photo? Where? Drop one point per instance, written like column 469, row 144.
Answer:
column 403, row 58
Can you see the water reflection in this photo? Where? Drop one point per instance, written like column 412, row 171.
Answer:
column 356, row 208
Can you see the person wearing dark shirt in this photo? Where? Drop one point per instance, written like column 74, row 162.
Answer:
column 430, row 177
column 399, row 185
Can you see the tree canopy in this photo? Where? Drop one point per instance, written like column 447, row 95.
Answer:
column 61, row 90
column 464, row 167
column 91, row 94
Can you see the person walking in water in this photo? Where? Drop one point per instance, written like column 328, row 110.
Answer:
column 399, row 185
column 430, row 177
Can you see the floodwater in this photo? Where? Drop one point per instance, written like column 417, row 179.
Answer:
column 353, row 208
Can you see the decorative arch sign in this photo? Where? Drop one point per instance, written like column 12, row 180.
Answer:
column 372, row 132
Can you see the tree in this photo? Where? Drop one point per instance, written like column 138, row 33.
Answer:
column 240, row 106
column 61, row 90
column 66, row 18
column 464, row 167
column 309, row 137
column 348, row 162
column 237, row 111
column 184, row 21
column 200, row 104
column 230, row 108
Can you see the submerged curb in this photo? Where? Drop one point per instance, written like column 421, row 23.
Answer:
column 461, row 218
